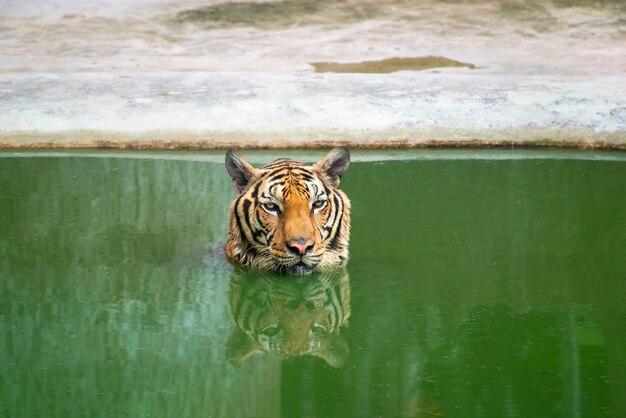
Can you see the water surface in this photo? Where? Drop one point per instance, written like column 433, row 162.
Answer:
column 481, row 284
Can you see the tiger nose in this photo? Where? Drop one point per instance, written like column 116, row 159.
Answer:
column 300, row 246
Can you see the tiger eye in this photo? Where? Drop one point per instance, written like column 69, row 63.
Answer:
column 319, row 203
column 270, row 206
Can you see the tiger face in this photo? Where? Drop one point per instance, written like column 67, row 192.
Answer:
column 289, row 217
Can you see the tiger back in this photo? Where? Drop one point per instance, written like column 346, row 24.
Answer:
column 289, row 217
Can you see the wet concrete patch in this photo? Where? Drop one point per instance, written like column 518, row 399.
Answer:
column 389, row 65
column 273, row 14
column 277, row 14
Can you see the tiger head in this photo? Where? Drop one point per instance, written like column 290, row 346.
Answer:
column 289, row 217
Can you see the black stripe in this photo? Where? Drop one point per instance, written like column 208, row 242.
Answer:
column 306, row 175
column 334, row 244
column 277, row 162
column 255, row 190
column 244, row 237
column 246, row 213
column 239, row 226
column 276, row 175
column 330, row 222
column 261, row 231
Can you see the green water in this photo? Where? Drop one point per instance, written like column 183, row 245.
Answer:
column 481, row 284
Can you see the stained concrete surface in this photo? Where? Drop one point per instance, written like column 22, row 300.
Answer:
column 214, row 73
column 389, row 65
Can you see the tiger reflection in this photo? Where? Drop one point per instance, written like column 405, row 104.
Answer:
column 291, row 316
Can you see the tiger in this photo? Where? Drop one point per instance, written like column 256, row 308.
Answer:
column 290, row 317
column 288, row 217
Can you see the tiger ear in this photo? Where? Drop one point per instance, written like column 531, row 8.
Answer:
column 334, row 164
column 239, row 169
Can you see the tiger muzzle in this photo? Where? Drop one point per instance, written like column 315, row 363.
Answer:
column 300, row 246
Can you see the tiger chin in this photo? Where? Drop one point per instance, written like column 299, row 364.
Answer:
column 289, row 217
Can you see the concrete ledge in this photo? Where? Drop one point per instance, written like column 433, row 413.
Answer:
column 75, row 140
column 219, row 73
column 215, row 110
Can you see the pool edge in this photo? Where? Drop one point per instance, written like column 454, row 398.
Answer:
column 310, row 144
